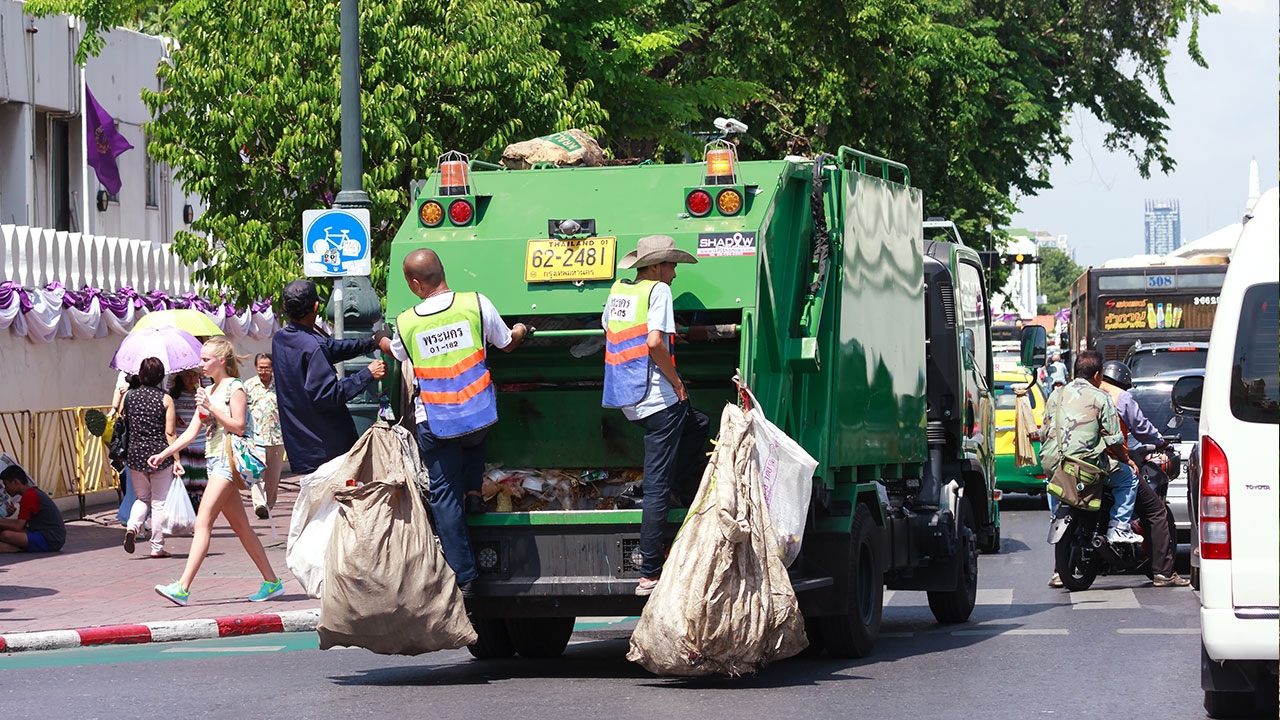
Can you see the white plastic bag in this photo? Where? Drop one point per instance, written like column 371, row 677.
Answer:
column 311, row 524
column 786, row 472
column 178, row 516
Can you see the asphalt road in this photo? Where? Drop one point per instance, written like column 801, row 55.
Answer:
column 1121, row 650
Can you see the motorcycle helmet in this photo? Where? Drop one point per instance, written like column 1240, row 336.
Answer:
column 1117, row 373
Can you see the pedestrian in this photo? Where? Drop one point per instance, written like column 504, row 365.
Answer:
column 227, row 404
column 152, row 421
column 1080, row 420
column 445, row 336
column 189, row 464
column 266, row 425
column 312, row 400
column 38, row 526
column 640, row 378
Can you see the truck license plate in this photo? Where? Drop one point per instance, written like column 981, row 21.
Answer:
column 570, row 259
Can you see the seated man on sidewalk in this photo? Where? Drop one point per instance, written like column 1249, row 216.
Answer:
column 38, row 526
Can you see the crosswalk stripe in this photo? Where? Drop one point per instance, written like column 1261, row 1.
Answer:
column 907, row 598
column 1109, row 599
column 1158, row 631
column 1013, row 631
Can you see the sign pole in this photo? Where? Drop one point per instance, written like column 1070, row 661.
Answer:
column 338, row 312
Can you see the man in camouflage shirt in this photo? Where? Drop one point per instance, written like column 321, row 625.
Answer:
column 1081, row 420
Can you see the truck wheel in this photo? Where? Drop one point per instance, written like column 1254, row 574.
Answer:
column 1069, row 562
column 992, row 546
column 853, row 634
column 544, row 637
column 955, row 606
column 493, row 642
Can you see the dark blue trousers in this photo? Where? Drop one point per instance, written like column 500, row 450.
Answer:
column 674, row 458
column 455, row 466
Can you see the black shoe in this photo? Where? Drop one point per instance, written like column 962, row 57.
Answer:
column 129, row 538
column 474, row 505
column 467, row 589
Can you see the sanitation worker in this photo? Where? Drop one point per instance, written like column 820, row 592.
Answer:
column 640, row 378
column 444, row 336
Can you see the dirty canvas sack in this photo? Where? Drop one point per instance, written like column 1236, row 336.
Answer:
column 786, row 474
column 724, row 604
column 1024, row 425
column 387, row 587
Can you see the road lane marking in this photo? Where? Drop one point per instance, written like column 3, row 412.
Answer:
column 911, row 598
column 1158, row 631
column 1112, row 599
column 1015, row 631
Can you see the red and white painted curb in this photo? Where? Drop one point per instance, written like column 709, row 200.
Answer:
column 289, row 621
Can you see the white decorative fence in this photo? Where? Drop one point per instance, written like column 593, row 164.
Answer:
column 34, row 257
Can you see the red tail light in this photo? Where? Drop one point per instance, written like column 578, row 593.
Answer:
column 1215, row 505
column 460, row 212
column 698, row 203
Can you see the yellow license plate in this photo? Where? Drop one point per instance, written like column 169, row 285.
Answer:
column 569, row 260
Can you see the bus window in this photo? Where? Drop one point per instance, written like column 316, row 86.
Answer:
column 1122, row 282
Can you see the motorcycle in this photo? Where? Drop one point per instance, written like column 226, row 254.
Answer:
column 1081, row 550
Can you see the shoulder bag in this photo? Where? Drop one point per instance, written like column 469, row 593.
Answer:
column 1076, row 482
column 118, row 450
column 245, row 457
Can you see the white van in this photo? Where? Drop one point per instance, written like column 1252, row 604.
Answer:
column 1238, row 522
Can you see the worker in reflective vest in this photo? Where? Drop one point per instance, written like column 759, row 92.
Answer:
column 640, row 378
column 444, row 336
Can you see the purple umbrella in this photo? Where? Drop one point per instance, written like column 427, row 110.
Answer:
column 177, row 349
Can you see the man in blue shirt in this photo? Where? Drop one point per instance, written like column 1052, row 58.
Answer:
column 314, row 419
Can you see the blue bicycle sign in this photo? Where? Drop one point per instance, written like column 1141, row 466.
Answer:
column 335, row 243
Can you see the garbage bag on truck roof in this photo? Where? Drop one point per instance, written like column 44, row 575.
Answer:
column 563, row 149
column 724, row 604
column 387, row 587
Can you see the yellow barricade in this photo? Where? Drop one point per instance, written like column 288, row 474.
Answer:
column 58, row 451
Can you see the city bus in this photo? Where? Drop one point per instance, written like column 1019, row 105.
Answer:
column 1114, row 308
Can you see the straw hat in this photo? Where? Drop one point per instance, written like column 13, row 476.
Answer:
column 652, row 250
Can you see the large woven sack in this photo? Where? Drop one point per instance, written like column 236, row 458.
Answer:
column 387, row 587
column 1024, row 424
column 563, row 149
column 724, row 604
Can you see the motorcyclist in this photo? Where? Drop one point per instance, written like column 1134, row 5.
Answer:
column 1081, row 420
column 1157, row 520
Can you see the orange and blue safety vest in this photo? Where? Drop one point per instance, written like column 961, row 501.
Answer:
column 626, row 352
column 448, row 354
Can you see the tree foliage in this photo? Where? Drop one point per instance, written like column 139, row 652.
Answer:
column 973, row 95
column 1057, row 272
column 249, row 116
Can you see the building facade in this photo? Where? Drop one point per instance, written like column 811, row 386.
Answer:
column 1162, row 227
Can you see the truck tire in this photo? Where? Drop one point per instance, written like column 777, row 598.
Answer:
column 853, row 634
column 1219, row 704
column 955, row 606
column 540, row 637
column 493, row 642
column 992, row 545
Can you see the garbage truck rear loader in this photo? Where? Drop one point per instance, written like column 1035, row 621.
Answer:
column 810, row 283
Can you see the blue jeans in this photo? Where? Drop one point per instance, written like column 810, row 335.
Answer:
column 1124, row 490
column 674, row 458
column 455, row 465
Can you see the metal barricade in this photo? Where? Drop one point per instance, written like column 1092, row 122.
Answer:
column 58, row 451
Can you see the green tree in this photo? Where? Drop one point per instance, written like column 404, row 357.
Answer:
column 249, row 116
column 1057, row 272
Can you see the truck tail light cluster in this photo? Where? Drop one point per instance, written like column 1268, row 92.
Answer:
column 1215, row 502
column 719, row 179
column 453, row 180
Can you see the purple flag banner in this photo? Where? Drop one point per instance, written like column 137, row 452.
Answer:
column 105, row 143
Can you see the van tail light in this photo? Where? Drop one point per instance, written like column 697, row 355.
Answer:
column 1215, row 505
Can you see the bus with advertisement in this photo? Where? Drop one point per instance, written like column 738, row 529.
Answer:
column 1112, row 309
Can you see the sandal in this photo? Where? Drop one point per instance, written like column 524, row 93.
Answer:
column 129, row 538
column 161, row 554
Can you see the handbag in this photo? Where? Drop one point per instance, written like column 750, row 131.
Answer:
column 245, row 457
column 118, row 450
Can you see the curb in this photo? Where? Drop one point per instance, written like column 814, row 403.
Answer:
column 235, row 625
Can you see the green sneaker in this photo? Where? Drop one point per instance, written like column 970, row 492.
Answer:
column 174, row 593
column 268, row 590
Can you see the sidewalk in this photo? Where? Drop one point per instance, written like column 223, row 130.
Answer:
column 94, row 584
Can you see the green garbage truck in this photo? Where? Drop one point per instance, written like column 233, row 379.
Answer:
column 865, row 343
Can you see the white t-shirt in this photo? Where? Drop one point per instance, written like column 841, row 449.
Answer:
column 495, row 332
column 661, row 394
